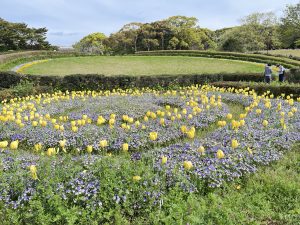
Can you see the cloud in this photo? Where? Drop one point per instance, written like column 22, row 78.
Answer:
column 62, row 33
column 70, row 20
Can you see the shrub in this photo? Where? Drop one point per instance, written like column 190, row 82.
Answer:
column 10, row 60
column 275, row 88
column 8, row 79
column 288, row 63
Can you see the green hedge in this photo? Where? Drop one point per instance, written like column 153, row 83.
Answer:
column 288, row 63
column 278, row 55
column 275, row 88
column 8, row 61
column 95, row 82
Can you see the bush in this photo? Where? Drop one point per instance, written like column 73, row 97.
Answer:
column 276, row 88
column 8, row 79
column 288, row 63
column 8, row 61
column 96, row 82
column 22, row 85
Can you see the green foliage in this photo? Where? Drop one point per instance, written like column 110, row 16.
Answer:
column 290, row 26
column 287, row 63
column 41, row 84
column 176, row 32
column 297, row 43
column 9, row 61
column 92, row 43
column 269, row 196
column 101, row 82
column 17, row 36
column 260, row 87
column 258, row 31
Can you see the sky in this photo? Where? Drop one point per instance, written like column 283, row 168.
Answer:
column 68, row 21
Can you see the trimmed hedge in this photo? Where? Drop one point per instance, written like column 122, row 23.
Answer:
column 8, row 61
column 260, row 88
column 288, row 63
column 96, row 82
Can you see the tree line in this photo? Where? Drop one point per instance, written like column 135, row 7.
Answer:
column 18, row 36
column 258, row 31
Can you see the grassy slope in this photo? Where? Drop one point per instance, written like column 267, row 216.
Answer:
column 141, row 65
column 270, row 196
column 285, row 52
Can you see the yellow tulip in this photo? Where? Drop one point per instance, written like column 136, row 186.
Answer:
column 164, row 160
column 38, row 147
column 250, row 151
column 187, row 165
column 191, row 134
column 243, row 116
column 136, row 178
column 103, row 143
column 162, row 121
column 74, row 129
column 183, row 129
column 220, row 154
column 51, row 152
column 137, row 123
column 3, row 144
column 265, row 123
column 111, row 121
column 229, row 116
column 125, row 147
column 89, row 149
column 201, row 150
column 234, row 143
column 14, row 145
column 33, row 171
column 153, row 136
column 62, row 143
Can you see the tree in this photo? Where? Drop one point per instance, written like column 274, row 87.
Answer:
column 92, row 43
column 259, row 31
column 297, row 43
column 290, row 26
column 264, row 28
column 131, row 32
column 18, row 36
column 173, row 43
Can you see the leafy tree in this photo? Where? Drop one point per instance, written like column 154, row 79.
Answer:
column 297, row 43
column 259, row 31
column 131, row 32
column 173, row 43
column 290, row 26
column 92, row 43
column 18, row 36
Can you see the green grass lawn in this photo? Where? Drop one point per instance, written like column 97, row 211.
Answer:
column 285, row 52
column 141, row 65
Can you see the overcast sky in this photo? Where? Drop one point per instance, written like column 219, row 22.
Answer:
column 70, row 20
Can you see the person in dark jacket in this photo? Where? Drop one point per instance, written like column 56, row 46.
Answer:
column 281, row 72
column 268, row 73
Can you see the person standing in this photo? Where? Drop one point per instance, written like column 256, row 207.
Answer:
column 268, row 73
column 281, row 72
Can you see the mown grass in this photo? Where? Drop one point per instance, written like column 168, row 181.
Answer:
column 271, row 196
column 284, row 52
column 141, row 65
